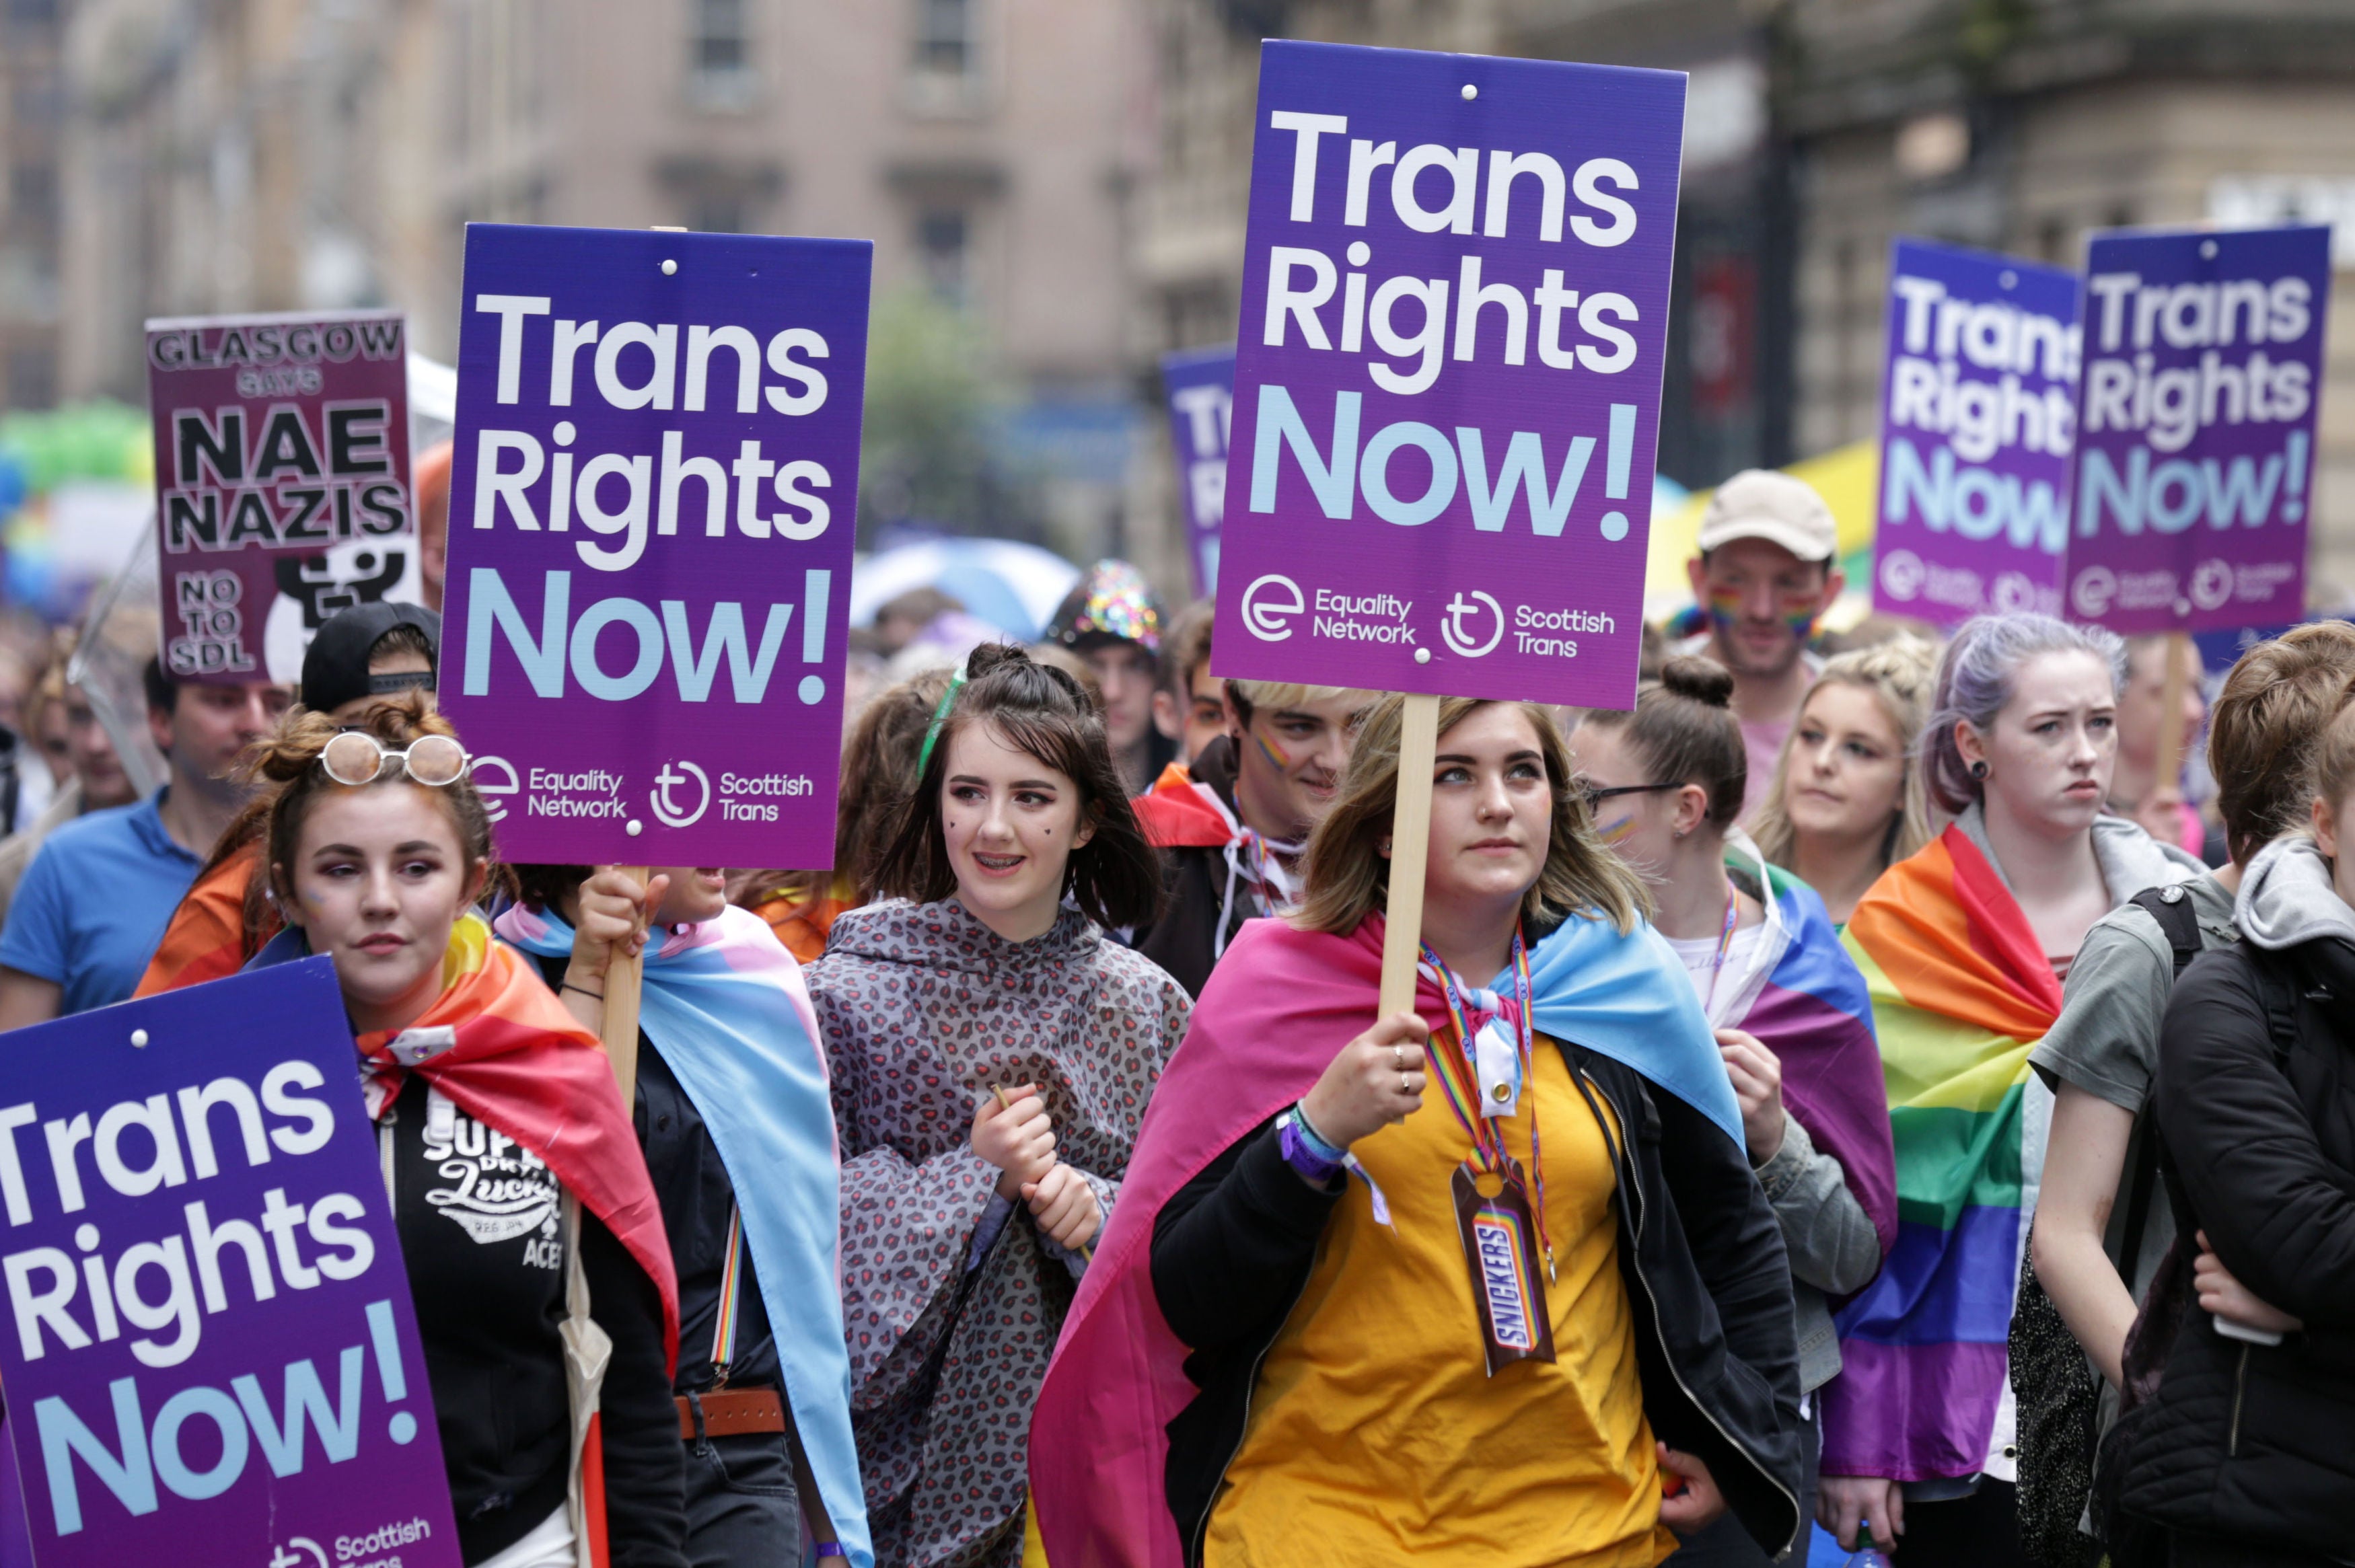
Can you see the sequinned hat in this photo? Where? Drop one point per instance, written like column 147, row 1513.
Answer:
column 1110, row 603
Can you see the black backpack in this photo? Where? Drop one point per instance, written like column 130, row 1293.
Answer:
column 2058, row 1391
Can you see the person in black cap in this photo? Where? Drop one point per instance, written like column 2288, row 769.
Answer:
column 359, row 656
column 366, row 653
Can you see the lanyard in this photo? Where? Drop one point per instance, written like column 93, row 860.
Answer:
column 1459, row 1079
column 1724, row 941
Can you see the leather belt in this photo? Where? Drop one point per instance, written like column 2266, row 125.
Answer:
column 731, row 1413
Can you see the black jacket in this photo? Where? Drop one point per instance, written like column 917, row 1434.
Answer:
column 1699, row 1249
column 481, row 1232
column 2253, row 1442
column 1205, row 908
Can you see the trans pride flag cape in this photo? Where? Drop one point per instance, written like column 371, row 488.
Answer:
column 1961, row 992
column 725, row 1004
column 1277, row 1007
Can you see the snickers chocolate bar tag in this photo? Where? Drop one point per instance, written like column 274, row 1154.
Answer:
column 1500, row 1249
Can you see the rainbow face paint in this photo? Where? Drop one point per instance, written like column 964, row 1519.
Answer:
column 1798, row 612
column 1615, row 832
column 1278, row 758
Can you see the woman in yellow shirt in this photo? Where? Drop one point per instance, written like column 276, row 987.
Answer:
column 1372, row 1294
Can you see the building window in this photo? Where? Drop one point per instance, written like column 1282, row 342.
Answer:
column 944, row 40
column 944, row 57
column 720, row 55
column 944, row 246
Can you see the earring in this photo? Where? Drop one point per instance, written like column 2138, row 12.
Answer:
column 1978, row 770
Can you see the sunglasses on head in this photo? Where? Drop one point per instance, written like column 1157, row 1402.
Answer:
column 1594, row 795
column 355, row 757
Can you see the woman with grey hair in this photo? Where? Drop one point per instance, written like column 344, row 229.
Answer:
column 1963, row 946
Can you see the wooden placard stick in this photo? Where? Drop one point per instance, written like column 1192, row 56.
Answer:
column 623, row 973
column 1410, row 851
column 2167, row 760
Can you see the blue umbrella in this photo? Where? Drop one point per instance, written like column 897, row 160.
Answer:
column 1012, row 586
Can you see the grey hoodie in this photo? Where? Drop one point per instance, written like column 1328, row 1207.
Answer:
column 2130, row 859
column 2286, row 898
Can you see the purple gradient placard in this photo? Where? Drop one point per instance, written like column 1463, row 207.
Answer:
column 1447, row 382
column 2195, row 457
column 1978, row 410
column 211, row 1354
column 282, row 483
column 651, row 518
column 1200, row 384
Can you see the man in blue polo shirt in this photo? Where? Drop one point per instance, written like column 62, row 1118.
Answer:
column 94, row 902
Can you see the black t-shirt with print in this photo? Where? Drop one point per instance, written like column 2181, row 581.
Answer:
column 482, row 1233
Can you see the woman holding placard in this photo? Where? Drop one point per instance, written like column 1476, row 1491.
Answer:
column 1846, row 803
column 523, row 1205
column 1544, row 1319
column 730, row 1079
column 1964, row 948
column 992, row 1050
column 1788, row 1007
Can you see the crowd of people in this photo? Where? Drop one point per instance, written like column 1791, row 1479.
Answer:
column 1872, row 1090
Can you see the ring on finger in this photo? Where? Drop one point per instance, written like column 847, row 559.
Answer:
column 1404, row 1087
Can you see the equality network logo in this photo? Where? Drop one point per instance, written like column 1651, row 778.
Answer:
column 1269, row 605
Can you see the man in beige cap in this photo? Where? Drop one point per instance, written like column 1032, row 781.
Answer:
column 1766, row 571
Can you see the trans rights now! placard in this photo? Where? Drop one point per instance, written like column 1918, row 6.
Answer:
column 1447, row 382
column 209, row 1351
column 1978, row 415
column 2194, row 480
column 653, row 501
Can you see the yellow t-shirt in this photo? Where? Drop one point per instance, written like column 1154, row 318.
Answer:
column 1376, row 1432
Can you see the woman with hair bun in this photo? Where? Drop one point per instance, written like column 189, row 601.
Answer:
column 379, row 846
column 1787, row 1004
column 992, row 1051
column 1964, row 947
column 1846, row 803
column 1487, row 1280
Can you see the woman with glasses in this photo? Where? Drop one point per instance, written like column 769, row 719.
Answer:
column 378, row 847
column 1787, row 1004
column 1487, row 1280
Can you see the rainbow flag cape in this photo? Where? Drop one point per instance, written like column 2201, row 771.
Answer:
column 1961, row 990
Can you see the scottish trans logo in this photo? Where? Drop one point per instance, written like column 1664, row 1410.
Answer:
column 1472, row 625
column 674, row 777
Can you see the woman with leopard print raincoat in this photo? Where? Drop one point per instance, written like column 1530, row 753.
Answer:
column 992, row 1052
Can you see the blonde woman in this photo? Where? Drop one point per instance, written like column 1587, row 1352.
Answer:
column 1284, row 1354
column 1845, row 803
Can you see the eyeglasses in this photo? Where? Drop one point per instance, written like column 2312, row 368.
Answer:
column 1595, row 797
column 356, row 757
